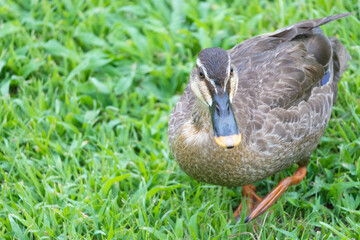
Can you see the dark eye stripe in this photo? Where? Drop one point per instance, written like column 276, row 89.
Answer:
column 210, row 87
column 228, row 85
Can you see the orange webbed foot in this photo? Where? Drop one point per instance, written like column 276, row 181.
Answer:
column 258, row 206
column 271, row 198
column 249, row 192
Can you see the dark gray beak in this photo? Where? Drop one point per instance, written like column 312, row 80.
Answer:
column 226, row 130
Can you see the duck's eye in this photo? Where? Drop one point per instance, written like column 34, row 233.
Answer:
column 231, row 71
column 201, row 73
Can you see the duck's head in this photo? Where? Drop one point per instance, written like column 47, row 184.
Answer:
column 214, row 81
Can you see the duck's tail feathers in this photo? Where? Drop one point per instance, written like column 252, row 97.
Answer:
column 340, row 62
column 305, row 27
column 341, row 53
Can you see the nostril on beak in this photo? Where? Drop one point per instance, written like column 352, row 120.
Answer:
column 217, row 108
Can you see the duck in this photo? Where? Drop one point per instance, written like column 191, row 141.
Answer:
column 258, row 108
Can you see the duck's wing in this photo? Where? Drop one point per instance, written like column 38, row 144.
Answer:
column 283, row 67
column 287, row 84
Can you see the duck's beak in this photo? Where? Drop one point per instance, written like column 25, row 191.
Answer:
column 226, row 130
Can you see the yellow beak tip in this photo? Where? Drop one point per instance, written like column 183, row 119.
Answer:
column 228, row 141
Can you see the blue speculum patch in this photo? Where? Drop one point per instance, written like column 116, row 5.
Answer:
column 325, row 79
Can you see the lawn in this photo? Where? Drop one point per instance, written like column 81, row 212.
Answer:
column 86, row 89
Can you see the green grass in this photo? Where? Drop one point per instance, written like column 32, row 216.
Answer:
column 86, row 91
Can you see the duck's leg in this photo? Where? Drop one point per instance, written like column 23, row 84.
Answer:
column 270, row 199
column 248, row 191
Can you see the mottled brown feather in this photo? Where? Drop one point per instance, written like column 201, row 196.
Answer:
column 280, row 107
